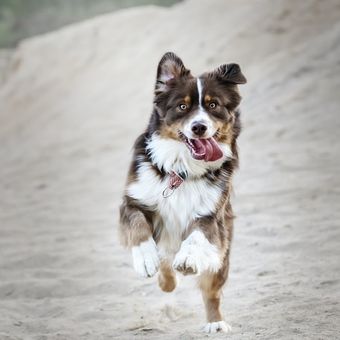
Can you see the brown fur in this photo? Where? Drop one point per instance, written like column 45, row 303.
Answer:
column 167, row 277
column 211, row 288
column 135, row 228
column 170, row 131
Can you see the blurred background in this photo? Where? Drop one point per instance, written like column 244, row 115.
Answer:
column 72, row 101
column 24, row 18
column 20, row 19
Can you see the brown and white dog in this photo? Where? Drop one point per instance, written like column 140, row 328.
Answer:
column 176, row 213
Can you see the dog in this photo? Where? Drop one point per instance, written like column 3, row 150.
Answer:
column 176, row 213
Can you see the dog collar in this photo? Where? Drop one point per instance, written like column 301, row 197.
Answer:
column 175, row 180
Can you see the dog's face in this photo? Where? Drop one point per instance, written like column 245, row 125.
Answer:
column 197, row 111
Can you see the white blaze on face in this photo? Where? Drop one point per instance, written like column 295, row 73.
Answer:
column 200, row 117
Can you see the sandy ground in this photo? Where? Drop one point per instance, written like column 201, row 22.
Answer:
column 71, row 106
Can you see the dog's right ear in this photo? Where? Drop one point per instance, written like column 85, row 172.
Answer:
column 170, row 67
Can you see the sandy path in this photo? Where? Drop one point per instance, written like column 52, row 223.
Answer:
column 69, row 112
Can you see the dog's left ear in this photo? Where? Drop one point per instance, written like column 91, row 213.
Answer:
column 170, row 67
column 230, row 73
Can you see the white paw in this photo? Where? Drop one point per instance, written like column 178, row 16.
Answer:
column 197, row 255
column 218, row 326
column 186, row 261
column 145, row 258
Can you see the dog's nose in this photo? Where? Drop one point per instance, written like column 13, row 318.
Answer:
column 199, row 129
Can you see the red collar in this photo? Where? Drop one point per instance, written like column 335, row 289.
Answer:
column 175, row 180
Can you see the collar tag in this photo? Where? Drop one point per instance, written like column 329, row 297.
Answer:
column 174, row 182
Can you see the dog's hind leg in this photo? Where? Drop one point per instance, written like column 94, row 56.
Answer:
column 211, row 287
column 167, row 277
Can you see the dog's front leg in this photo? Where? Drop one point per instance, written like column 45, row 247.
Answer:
column 200, row 251
column 205, row 252
column 136, row 233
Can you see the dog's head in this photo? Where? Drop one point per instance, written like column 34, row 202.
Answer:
column 197, row 111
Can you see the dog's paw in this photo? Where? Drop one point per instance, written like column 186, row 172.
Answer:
column 197, row 255
column 185, row 262
column 218, row 326
column 145, row 258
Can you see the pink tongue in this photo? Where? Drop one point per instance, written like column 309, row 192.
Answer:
column 206, row 149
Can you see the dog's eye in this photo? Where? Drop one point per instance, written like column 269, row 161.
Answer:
column 212, row 105
column 183, row 107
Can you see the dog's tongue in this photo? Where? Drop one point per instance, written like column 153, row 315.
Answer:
column 206, row 149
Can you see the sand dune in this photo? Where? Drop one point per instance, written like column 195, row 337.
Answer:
column 73, row 102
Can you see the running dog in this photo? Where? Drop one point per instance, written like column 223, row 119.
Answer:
column 176, row 213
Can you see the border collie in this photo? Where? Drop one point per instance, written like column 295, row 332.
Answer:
column 176, row 213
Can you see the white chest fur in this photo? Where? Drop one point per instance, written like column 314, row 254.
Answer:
column 192, row 199
column 195, row 197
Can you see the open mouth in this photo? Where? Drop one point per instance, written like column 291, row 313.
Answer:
column 205, row 149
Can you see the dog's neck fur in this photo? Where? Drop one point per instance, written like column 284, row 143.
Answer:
column 172, row 155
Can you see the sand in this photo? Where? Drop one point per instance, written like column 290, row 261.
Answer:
column 71, row 105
